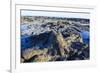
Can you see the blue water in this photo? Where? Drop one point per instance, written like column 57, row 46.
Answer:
column 37, row 41
column 85, row 36
column 29, row 41
column 26, row 41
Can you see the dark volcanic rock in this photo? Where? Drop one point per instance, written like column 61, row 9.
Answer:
column 54, row 40
column 77, row 45
column 80, row 51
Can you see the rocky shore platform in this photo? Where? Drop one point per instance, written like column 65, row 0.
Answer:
column 45, row 39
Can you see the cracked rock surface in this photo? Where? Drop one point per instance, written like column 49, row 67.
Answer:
column 46, row 39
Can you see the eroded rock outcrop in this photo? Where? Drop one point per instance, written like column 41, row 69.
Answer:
column 53, row 40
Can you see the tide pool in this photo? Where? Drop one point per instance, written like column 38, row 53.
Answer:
column 85, row 36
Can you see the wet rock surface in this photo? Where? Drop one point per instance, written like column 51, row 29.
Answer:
column 46, row 39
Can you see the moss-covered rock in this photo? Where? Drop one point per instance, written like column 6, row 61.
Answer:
column 28, row 53
column 42, row 58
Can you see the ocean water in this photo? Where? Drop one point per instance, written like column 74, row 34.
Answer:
column 85, row 36
column 27, row 41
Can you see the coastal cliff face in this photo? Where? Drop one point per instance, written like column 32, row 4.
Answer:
column 46, row 39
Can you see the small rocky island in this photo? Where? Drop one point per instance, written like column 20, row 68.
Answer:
column 45, row 39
